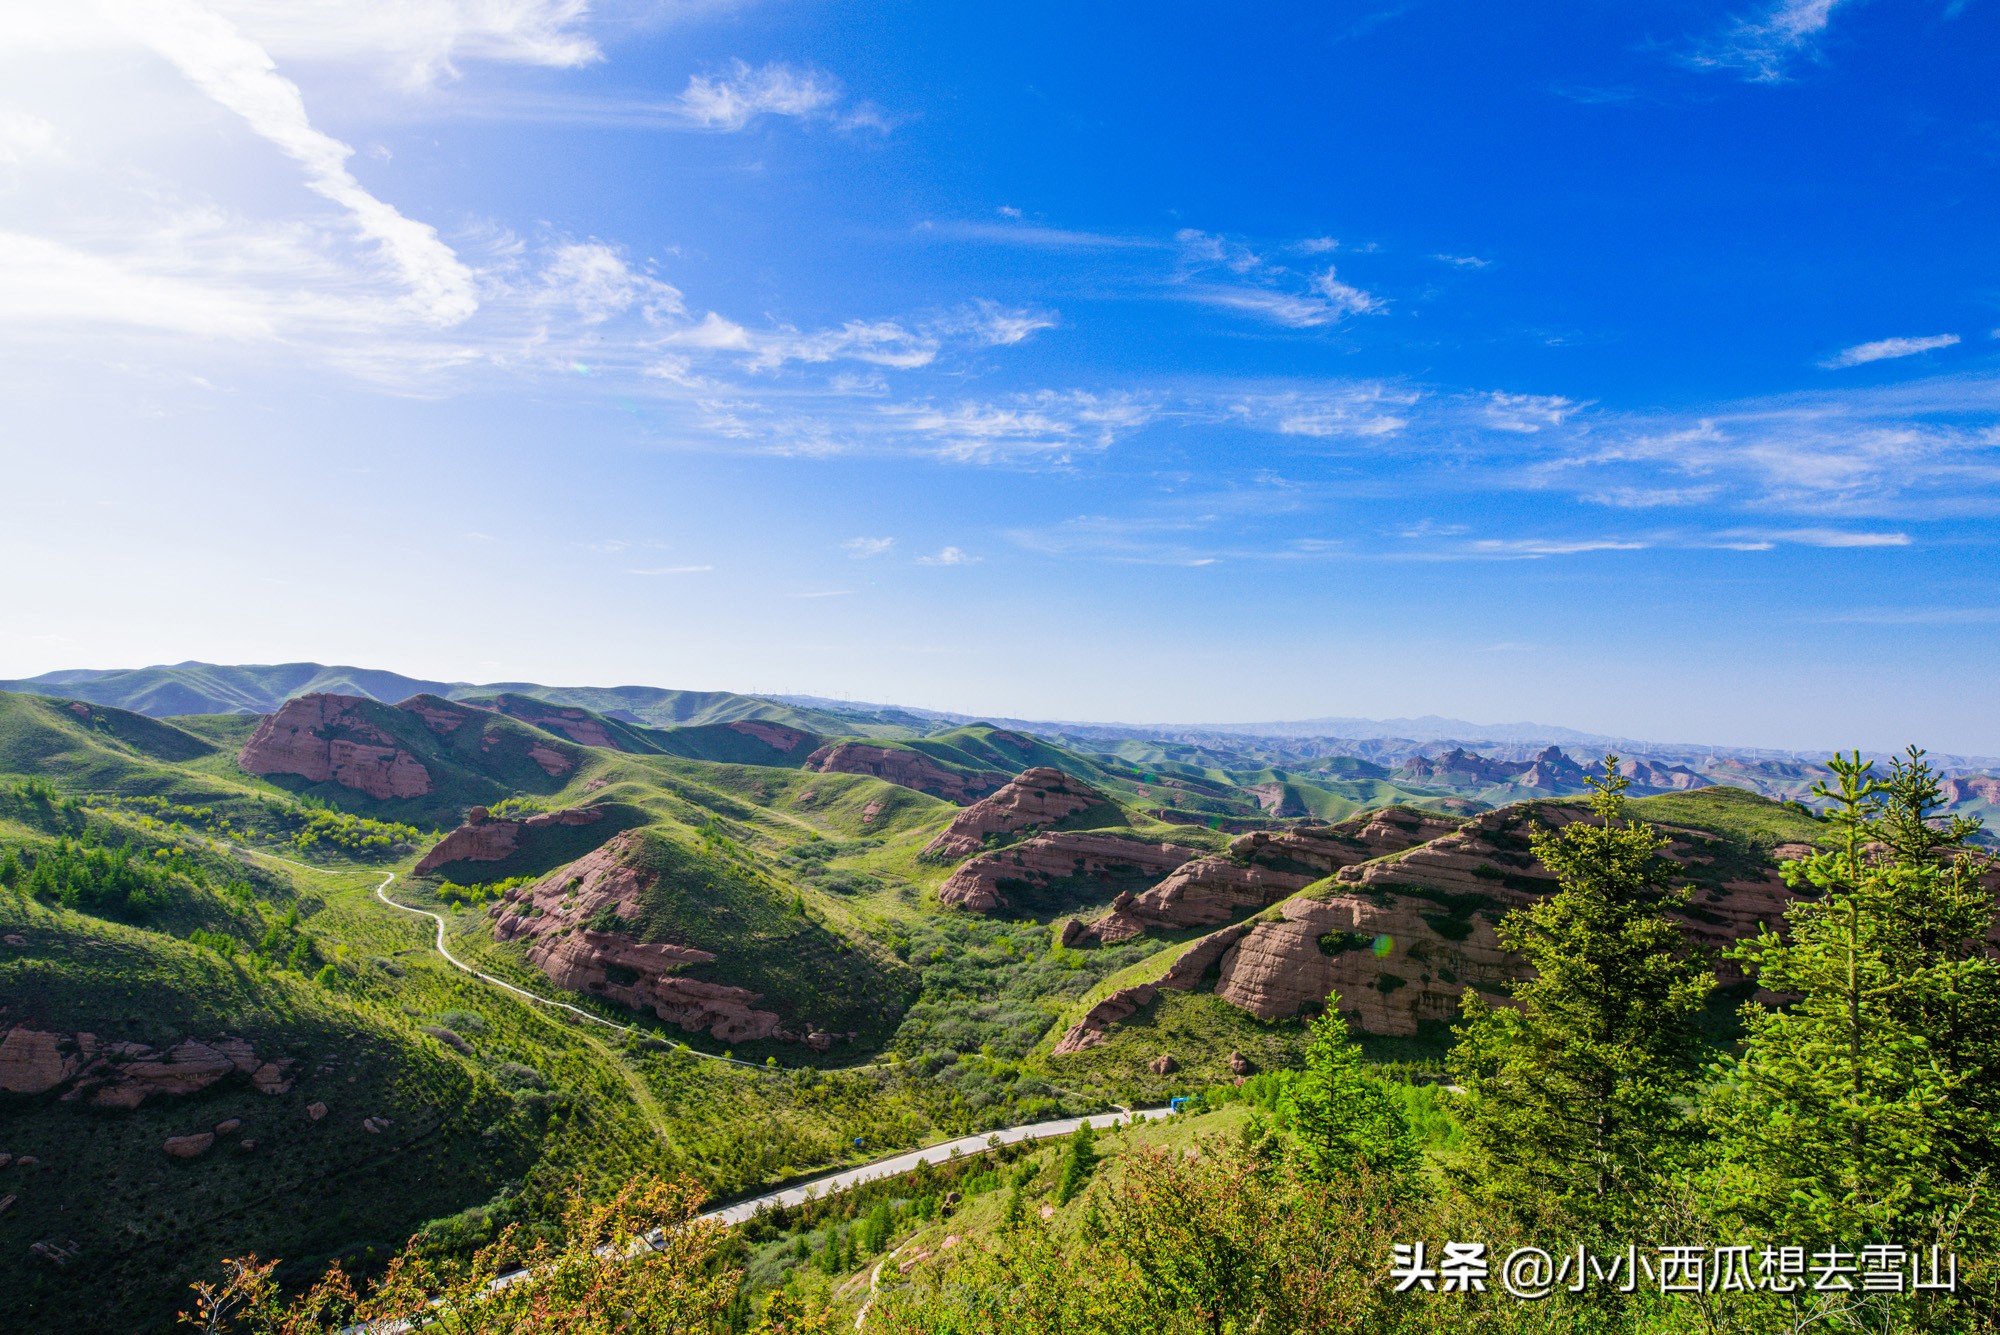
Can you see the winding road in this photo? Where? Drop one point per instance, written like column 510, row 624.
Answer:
column 381, row 893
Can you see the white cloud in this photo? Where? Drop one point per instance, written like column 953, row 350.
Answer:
column 1217, row 271
column 1884, row 349
column 1462, row 261
column 877, row 342
column 44, row 282
column 1528, row 413
column 731, row 101
column 423, row 38
column 25, row 138
column 863, row 548
column 1520, row 549
column 670, row 570
column 1047, row 423
column 1362, row 411
column 1648, row 498
column 1763, row 48
column 950, row 556
column 593, row 280
column 992, row 325
column 239, row 75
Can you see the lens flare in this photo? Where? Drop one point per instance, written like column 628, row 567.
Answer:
column 1384, row 944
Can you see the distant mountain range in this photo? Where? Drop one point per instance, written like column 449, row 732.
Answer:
column 209, row 688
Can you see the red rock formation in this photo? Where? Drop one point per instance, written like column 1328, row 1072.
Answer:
column 774, row 735
column 323, row 738
column 1400, row 938
column 579, row 725
column 905, row 768
column 552, row 761
column 34, row 1062
column 482, row 839
column 1032, row 799
column 1262, row 868
column 980, row 884
column 1164, row 1064
column 125, row 1075
column 576, row 957
column 1184, row 975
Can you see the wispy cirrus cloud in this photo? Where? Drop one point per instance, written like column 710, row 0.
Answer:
column 1764, row 47
column 731, row 100
column 1218, row 271
column 947, row 556
column 861, row 549
column 1886, row 349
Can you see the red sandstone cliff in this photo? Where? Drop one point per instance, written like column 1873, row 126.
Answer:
column 906, row 769
column 981, row 884
column 1031, row 800
column 484, row 839
column 324, row 738
column 616, row 966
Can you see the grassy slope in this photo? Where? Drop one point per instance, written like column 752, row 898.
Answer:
column 149, row 1221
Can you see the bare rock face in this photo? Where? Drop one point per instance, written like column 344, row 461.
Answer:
column 906, row 769
column 323, row 738
column 315, row 1111
column 125, row 1075
column 552, row 761
column 578, row 725
column 33, row 1061
column 227, row 1125
column 190, row 1147
column 981, row 884
column 613, row 964
column 777, row 736
column 1034, row 798
column 1240, row 1064
column 487, row 840
column 1164, row 1064
column 1185, row 974
column 1262, row 868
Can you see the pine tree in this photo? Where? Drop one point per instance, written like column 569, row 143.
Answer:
column 1344, row 1120
column 1869, row 1108
column 1078, row 1161
column 1574, row 1101
column 11, row 874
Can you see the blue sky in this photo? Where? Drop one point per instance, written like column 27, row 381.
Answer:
column 1626, row 367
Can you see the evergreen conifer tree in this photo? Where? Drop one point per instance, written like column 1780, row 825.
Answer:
column 1343, row 1119
column 1078, row 1161
column 1868, row 1109
column 1573, row 1101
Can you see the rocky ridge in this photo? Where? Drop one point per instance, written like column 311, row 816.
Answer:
column 323, row 738
column 125, row 1075
column 1031, row 799
column 1261, row 868
column 554, row 916
column 906, row 769
column 1401, row 937
column 983, row 883
column 483, row 838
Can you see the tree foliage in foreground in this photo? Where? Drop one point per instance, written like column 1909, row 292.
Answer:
column 1575, row 1101
column 1868, row 1109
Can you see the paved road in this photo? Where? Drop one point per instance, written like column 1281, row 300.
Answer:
column 381, row 893
column 903, row 1163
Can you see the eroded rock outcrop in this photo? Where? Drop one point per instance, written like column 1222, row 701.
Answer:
column 1399, row 938
column 1185, row 974
column 554, row 915
column 1262, row 868
column 125, row 1075
column 484, row 839
column 983, row 884
column 578, row 725
column 325, row 738
column 906, row 769
column 1034, row 799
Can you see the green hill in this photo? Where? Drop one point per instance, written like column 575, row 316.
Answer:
column 211, row 688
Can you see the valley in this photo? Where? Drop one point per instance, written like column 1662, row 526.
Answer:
column 432, row 963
